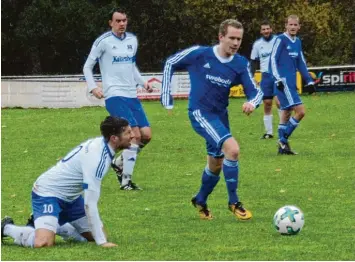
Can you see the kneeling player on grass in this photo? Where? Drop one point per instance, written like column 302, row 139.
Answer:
column 57, row 194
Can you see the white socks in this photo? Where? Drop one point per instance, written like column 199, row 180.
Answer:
column 268, row 124
column 68, row 232
column 129, row 161
column 23, row 236
column 118, row 161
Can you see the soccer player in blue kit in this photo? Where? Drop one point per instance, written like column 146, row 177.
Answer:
column 213, row 71
column 286, row 58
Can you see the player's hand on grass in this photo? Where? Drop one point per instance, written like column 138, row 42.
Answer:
column 109, row 244
column 248, row 108
column 97, row 92
column 148, row 87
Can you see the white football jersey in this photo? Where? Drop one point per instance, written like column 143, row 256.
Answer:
column 82, row 168
column 261, row 51
column 117, row 60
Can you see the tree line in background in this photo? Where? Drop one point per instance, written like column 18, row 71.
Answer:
column 55, row 36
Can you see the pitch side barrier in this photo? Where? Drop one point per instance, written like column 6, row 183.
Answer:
column 326, row 78
column 69, row 91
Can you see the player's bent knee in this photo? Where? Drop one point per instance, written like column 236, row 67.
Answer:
column 146, row 138
column 146, row 134
column 44, row 238
column 232, row 154
column 300, row 114
column 42, row 243
column 231, row 149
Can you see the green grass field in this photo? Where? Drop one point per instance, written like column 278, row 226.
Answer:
column 159, row 223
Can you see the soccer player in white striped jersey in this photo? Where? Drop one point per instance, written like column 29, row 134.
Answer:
column 116, row 53
column 57, row 194
column 213, row 71
column 260, row 54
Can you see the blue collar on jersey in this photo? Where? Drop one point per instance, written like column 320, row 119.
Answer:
column 107, row 147
column 120, row 38
column 269, row 38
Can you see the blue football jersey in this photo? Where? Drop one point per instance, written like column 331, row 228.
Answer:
column 287, row 58
column 211, row 78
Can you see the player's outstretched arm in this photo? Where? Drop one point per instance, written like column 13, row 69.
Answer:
column 91, row 198
column 302, row 67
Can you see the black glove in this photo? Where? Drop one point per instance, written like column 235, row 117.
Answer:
column 311, row 88
column 280, row 85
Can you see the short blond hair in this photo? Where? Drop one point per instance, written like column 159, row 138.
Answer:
column 292, row 17
column 223, row 28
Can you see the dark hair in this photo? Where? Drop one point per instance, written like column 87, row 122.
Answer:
column 265, row 22
column 113, row 126
column 116, row 10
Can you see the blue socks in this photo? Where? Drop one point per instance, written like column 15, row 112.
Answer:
column 281, row 130
column 209, row 181
column 231, row 172
column 285, row 130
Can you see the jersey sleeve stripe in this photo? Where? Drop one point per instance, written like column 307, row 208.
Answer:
column 273, row 59
column 251, row 77
column 102, row 37
column 259, row 95
column 303, row 59
column 258, row 98
column 167, row 72
column 101, row 164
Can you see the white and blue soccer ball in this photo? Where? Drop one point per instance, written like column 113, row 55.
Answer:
column 288, row 220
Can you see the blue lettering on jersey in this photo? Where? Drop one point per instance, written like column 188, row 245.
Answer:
column 265, row 54
column 123, row 59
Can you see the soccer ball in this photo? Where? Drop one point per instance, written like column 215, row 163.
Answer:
column 288, row 220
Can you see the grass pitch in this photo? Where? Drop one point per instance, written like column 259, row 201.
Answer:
column 159, row 222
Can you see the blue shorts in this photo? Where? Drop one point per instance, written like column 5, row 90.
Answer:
column 128, row 108
column 267, row 85
column 288, row 97
column 214, row 128
column 62, row 210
